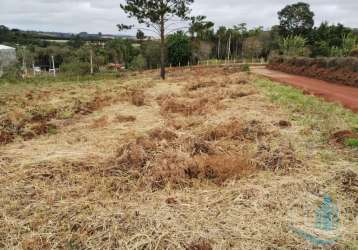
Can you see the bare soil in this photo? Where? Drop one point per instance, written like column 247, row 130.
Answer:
column 345, row 95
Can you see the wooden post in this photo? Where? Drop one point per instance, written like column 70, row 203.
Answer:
column 24, row 61
column 53, row 65
column 91, row 59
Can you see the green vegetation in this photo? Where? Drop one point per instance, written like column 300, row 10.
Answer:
column 322, row 117
column 157, row 14
column 79, row 68
column 179, row 49
column 295, row 35
column 138, row 63
column 294, row 46
column 351, row 142
column 245, row 68
column 60, row 78
column 296, row 20
column 326, row 39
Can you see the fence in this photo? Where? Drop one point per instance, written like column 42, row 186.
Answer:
column 233, row 61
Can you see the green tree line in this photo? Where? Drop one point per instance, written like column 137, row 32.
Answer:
column 295, row 35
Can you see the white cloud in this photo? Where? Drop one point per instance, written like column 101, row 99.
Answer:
column 102, row 16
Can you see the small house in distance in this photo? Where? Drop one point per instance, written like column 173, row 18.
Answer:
column 7, row 57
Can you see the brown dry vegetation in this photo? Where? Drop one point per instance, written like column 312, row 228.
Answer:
column 201, row 161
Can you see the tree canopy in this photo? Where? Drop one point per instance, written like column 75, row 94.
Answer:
column 140, row 35
column 201, row 27
column 158, row 15
column 296, row 20
column 179, row 49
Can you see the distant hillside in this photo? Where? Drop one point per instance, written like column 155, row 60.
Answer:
column 16, row 36
column 83, row 35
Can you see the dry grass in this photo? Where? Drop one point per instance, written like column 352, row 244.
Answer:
column 163, row 158
column 125, row 118
column 135, row 96
column 237, row 130
column 100, row 122
column 201, row 244
column 185, row 106
column 199, row 162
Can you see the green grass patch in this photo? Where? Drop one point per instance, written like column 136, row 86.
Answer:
column 60, row 78
column 321, row 117
column 351, row 142
column 245, row 68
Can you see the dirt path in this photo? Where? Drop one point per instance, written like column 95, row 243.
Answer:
column 347, row 96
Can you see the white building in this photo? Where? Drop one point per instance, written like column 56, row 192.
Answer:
column 7, row 57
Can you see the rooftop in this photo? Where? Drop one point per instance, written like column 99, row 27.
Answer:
column 5, row 47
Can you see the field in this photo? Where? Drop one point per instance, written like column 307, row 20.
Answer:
column 210, row 158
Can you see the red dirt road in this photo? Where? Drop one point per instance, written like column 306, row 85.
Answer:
column 346, row 95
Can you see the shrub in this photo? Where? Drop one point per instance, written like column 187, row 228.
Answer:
column 76, row 68
column 336, row 52
column 245, row 68
column 179, row 49
column 354, row 53
column 349, row 43
column 352, row 142
column 138, row 63
column 294, row 46
column 12, row 73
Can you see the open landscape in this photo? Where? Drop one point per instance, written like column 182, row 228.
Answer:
column 147, row 125
column 210, row 158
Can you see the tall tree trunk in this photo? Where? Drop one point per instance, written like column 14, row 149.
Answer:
column 229, row 48
column 91, row 61
column 162, row 48
column 237, row 49
column 219, row 44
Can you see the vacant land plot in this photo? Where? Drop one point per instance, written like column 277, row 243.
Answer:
column 211, row 158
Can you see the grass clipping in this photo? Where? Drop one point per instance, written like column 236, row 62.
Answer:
column 163, row 158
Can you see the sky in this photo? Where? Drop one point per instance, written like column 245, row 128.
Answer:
column 95, row 16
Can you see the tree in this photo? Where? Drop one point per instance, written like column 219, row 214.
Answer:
column 252, row 47
column 151, row 53
column 350, row 43
column 138, row 63
column 294, row 46
column 140, row 35
column 120, row 51
column 200, row 27
column 4, row 33
column 239, row 35
column 326, row 37
column 76, row 42
column 158, row 15
column 179, row 48
column 221, row 37
column 296, row 20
